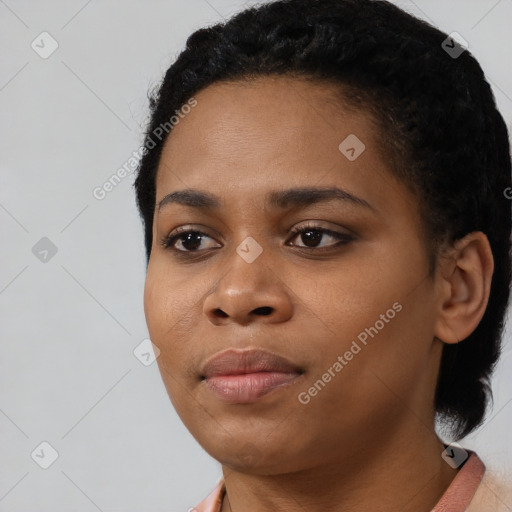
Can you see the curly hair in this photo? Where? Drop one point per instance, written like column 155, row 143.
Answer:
column 439, row 129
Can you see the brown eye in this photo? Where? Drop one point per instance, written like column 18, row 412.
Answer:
column 311, row 236
column 190, row 240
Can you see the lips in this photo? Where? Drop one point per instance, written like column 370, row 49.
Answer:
column 235, row 362
column 245, row 376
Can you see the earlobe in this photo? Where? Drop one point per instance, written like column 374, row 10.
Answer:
column 464, row 283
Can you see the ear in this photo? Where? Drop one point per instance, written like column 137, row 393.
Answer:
column 463, row 284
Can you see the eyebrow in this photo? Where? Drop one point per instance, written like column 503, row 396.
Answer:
column 279, row 199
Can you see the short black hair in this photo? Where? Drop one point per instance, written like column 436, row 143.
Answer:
column 438, row 125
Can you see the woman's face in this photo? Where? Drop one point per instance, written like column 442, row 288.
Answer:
column 351, row 308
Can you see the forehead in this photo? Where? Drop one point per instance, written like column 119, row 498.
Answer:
column 244, row 139
column 266, row 123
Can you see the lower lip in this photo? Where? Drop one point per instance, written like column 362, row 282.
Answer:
column 249, row 387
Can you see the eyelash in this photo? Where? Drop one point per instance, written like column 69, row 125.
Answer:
column 343, row 239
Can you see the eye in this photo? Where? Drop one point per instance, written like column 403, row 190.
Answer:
column 311, row 235
column 190, row 240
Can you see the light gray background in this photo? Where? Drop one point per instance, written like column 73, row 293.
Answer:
column 68, row 375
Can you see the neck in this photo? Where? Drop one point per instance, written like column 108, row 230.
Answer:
column 405, row 473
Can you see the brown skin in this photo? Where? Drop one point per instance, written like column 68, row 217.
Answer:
column 366, row 441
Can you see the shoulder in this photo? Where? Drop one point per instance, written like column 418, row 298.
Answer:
column 494, row 494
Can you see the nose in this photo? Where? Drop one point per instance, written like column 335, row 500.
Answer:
column 249, row 292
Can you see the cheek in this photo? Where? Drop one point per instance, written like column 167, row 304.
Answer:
column 168, row 309
column 380, row 318
column 393, row 365
column 155, row 309
column 378, row 381
column 169, row 320
column 345, row 302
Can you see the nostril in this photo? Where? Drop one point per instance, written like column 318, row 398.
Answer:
column 264, row 310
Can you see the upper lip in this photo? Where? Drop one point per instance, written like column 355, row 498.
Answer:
column 239, row 362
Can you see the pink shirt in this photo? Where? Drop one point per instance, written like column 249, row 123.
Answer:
column 455, row 499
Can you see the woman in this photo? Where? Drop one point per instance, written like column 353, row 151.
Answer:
column 327, row 277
